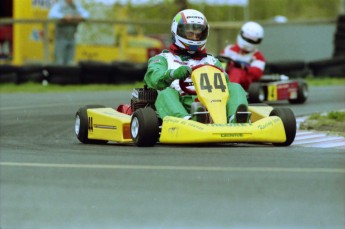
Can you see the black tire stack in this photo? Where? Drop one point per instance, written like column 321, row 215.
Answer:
column 8, row 73
column 30, row 73
column 85, row 72
column 63, row 75
column 335, row 66
column 293, row 69
column 93, row 72
column 339, row 37
column 127, row 72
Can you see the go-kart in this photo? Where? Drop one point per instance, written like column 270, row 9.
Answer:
column 274, row 87
column 139, row 123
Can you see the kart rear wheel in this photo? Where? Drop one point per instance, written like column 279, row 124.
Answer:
column 302, row 93
column 289, row 122
column 145, row 127
column 256, row 93
column 81, row 125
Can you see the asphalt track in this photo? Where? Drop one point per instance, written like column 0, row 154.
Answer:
column 49, row 180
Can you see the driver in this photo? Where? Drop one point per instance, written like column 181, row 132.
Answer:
column 248, row 63
column 189, row 35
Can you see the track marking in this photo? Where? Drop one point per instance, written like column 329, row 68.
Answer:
column 319, row 140
column 176, row 168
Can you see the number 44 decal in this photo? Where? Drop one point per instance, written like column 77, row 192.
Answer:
column 218, row 82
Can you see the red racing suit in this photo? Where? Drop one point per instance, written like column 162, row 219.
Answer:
column 245, row 67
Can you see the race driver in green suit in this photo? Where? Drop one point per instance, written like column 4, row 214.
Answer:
column 189, row 36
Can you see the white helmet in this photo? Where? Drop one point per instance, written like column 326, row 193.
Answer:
column 190, row 30
column 250, row 36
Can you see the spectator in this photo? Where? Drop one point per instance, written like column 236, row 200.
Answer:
column 247, row 62
column 69, row 14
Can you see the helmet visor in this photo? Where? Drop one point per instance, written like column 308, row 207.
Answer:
column 195, row 32
column 250, row 39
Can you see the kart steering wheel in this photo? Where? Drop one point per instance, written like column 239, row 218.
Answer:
column 184, row 85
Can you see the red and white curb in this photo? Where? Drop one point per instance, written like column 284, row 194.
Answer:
column 316, row 139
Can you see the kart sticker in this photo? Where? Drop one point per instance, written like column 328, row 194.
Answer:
column 217, row 82
column 272, row 94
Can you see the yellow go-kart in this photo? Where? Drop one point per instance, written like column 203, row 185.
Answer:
column 139, row 123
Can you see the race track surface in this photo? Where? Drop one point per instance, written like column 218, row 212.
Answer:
column 50, row 180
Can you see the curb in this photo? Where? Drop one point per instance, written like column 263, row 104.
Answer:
column 306, row 138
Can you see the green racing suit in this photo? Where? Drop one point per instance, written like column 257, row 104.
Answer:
column 171, row 101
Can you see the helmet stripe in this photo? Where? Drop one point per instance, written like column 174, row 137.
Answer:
column 184, row 18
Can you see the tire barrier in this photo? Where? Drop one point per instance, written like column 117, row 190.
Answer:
column 29, row 73
column 339, row 37
column 126, row 72
column 86, row 72
column 92, row 72
column 293, row 69
column 8, row 74
column 334, row 67
column 58, row 74
column 89, row 72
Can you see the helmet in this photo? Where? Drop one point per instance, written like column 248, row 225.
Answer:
column 250, row 36
column 190, row 30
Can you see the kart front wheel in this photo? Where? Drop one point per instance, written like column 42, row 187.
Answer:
column 145, row 127
column 289, row 122
column 302, row 93
column 256, row 93
column 81, row 125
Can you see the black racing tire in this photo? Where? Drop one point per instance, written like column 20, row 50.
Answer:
column 256, row 93
column 341, row 19
column 340, row 28
column 289, row 122
column 63, row 75
column 81, row 125
column 145, row 127
column 94, row 72
column 302, row 93
column 30, row 73
column 338, row 52
column 8, row 73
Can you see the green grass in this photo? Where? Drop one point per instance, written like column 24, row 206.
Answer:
column 323, row 81
column 332, row 123
column 39, row 88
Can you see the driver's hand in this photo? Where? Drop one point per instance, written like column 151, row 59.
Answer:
column 241, row 64
column 181, row 72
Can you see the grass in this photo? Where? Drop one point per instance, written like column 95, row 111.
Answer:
column 332, row 123
column 323, row 81
column 39, row 88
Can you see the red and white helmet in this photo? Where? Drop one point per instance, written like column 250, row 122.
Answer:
column 190, row 30
column 250, row 36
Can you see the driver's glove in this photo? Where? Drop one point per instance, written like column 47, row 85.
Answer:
column 181, row 72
